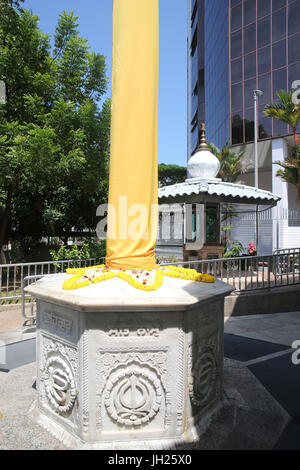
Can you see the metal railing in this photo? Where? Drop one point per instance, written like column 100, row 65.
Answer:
column 252, row 272
column 244, row 273
column 286, row 251
column 11, row 275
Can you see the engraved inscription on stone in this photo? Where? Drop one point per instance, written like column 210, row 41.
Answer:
column 57, row 322
column 140, row 332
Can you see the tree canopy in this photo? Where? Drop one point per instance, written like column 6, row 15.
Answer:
column 54, row 129
column 171, row 174
column 231, row 168
column 289, row 112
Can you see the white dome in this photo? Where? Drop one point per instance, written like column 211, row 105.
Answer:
column 203, row 164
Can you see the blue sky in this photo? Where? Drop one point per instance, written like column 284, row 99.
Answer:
column 95, row 23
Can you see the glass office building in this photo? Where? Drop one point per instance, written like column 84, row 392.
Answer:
column 234, row 47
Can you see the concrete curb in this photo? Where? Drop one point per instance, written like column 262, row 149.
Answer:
column 264, row 301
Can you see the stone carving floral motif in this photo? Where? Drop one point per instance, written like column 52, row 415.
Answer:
column 58, row 376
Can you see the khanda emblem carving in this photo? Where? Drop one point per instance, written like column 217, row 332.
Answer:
column 133, row 396
column 59, row 384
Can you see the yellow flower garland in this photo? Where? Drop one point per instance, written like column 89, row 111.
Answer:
column 79, row 274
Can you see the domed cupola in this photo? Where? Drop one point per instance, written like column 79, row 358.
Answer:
column 203, row 164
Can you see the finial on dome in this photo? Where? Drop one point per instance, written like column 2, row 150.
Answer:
column 203, row 145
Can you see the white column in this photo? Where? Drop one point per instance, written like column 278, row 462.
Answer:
column 279, row 187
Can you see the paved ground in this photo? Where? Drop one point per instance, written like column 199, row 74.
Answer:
column 281, row 328
column 261, row 389
column 11, row 318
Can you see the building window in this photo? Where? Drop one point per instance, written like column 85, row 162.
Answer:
column 264, row 84
column 264, row 60
column 279, row 54
column 265, row 124
column 279, row 81
column 236, row 97
column 237, row 128
column 236, row 71
column 249, row 125
column 294, row 74
column 279, row 25
column 250, row 65
column 294, row 23
column 249, row 11
column 278, row 4
column 236, row 44
column 236, row 18
column 263, row 32
column 294, row 48
column 263, row 8
column 250, row 38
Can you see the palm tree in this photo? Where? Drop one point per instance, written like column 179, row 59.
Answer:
column 231, row 168
column 286, row 111
column 291, row 169
column 289, row 112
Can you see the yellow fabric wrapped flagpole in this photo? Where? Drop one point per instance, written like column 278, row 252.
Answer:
column 133, row 179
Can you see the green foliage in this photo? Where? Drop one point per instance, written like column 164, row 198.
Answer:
column 54, row 136
column 233, row 251
column 290, row 172
column 231, row 163
column 170, row 174
column 88, row 250
column 97, row 249
column 286, row 111
column 70, row 253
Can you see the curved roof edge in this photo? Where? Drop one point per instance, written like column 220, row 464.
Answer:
column 218, row 188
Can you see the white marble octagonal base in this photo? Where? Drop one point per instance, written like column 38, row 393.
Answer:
column 120, row 368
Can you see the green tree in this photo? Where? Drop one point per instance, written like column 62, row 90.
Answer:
column 54, row 137
column 289, row 112
column 231, row 167
column 286, row 111
column 171, row 174
column 290, row 171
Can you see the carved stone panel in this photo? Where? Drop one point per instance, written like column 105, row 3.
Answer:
column 61, row 323
column 132, row 388
column 58, row 378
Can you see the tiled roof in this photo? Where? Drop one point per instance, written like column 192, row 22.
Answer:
column 218, row 188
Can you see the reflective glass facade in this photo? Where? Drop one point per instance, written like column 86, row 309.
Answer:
column 265, row 54
column 216, row 71
column 234, row 47
column 208, row 69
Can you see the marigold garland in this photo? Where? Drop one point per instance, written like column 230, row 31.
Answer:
column 140, row 279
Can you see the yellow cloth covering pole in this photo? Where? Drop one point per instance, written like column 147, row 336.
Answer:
column 133, row 179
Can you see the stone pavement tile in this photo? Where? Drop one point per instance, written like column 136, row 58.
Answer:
column 281, row 328
column 290, row 439
column 250, row 419
column 20, row 433
column 11, row 317
column 22, row 334
column 244, row 349
column 16, row 392
column 282, row 379
column 18, row 354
